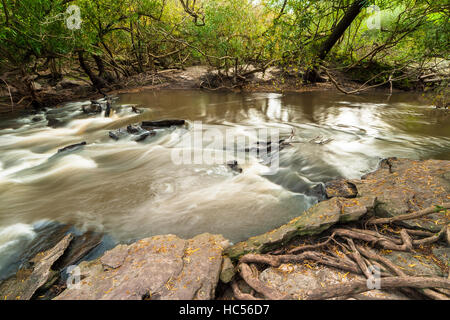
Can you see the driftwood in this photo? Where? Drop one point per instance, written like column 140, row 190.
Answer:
column 72, row 147
column 163, row 123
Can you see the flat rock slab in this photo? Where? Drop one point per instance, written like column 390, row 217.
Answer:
column 295, row 280
column 161, row 267
column 340, row 188
column 433, row 264
column 313, row 221
column 404, row 186
column 26, row 282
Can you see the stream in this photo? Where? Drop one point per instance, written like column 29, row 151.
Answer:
column 132, row 190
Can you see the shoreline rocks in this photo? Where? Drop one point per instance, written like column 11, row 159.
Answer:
column 161, row 267
column 167, row 267
column 398, row 186
column 40, row 268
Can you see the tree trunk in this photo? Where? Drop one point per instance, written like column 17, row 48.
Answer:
column 97, row 81
column 102, row 73
column 313, row 75
column 345, row 22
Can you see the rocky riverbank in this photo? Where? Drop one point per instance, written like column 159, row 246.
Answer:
column 274, row 79
column 278, row 264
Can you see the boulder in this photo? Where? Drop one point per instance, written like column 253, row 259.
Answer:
column 313, row 221
column 161, row 267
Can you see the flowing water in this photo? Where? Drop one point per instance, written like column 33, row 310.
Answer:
column 134, row 189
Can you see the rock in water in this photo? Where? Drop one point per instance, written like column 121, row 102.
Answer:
column 142, row 136
column 117, row 134
column 108, row 107
column 72, row 147
column 317, row 191
column 133, row 129
column 94, row 107
column 24, row 284
column 161, row 267
column 55, row 123
column 139, row 133
column 233, row 165
column 136, row 110
column 163, row 123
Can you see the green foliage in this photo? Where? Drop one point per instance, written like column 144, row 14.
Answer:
column 132, row 36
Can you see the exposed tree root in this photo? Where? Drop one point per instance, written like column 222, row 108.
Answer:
column 239, row 294
column 357, row 257
column 410, row 216
column 252, row 280
column 359, row 286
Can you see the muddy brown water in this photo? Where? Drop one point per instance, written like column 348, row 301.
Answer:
column 134, row 189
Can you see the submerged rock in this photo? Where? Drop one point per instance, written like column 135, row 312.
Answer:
column 136, row 110
column 161, row 267
column 55, row 122
column 317, row 191
column 38, row 118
